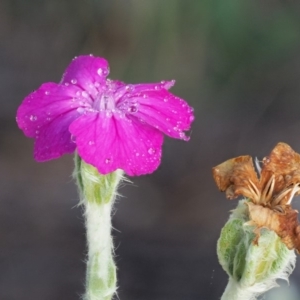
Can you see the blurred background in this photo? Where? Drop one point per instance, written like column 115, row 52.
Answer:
column 236, row 62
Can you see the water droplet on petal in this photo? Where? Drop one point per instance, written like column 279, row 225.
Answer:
column 192, row 118
column 73, row 138
column 108, row 113
column 183, row 136
column 81, row 110
column 106, row 71
column 73, row 81
column 133, row 108
column 107, row 160
column 91, row 143
column 166, row 100
column 100, row 72
column 37, row 132
column 85, row 94
column 47, row 92
column 129, row 87
column 137, row 154
column 156, row 87
column 151, row 151
column 168, row 119
column 33, row 118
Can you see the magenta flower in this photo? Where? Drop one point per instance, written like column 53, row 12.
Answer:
column 113, row 125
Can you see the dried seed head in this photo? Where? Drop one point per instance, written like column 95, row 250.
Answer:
column 270, row 193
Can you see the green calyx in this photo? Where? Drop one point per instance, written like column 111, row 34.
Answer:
column 97, row 286
column 94, row 186
column 249, row 260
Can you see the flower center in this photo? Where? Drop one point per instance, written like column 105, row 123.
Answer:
column 112, row 100
column 105, row 102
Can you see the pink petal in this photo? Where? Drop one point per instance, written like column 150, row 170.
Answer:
column 87, row 72
column 46, row 115
column 143, row 87
column 111, row 143
column 164, row 111
column 54, row 140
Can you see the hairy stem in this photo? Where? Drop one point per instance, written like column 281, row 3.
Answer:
column 234, row 291
column 98, row 195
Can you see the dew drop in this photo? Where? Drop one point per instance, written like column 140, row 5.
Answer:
column 91, row 143
column 107, row 160
column 156, row 87
column 137, row 154
column 81, row 110
column 108, row 113
column 47, row 93
column 192, row 118
column 100, row 71
column 73, row 81
column 129, row 87
column 151, row 151
column 132, row 108
column 287, row 177
column 106, row 71
column 168, row 119
column 84, row 94
column 67, row 84
column 37, row 132
column 97, row 84
column 33, row 118
column 48, row 119
column 166, row 100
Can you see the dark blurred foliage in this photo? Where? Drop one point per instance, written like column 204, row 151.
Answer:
column 237, row 62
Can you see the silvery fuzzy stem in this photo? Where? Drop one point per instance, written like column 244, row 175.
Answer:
column 234, row 291
column 98, row 195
